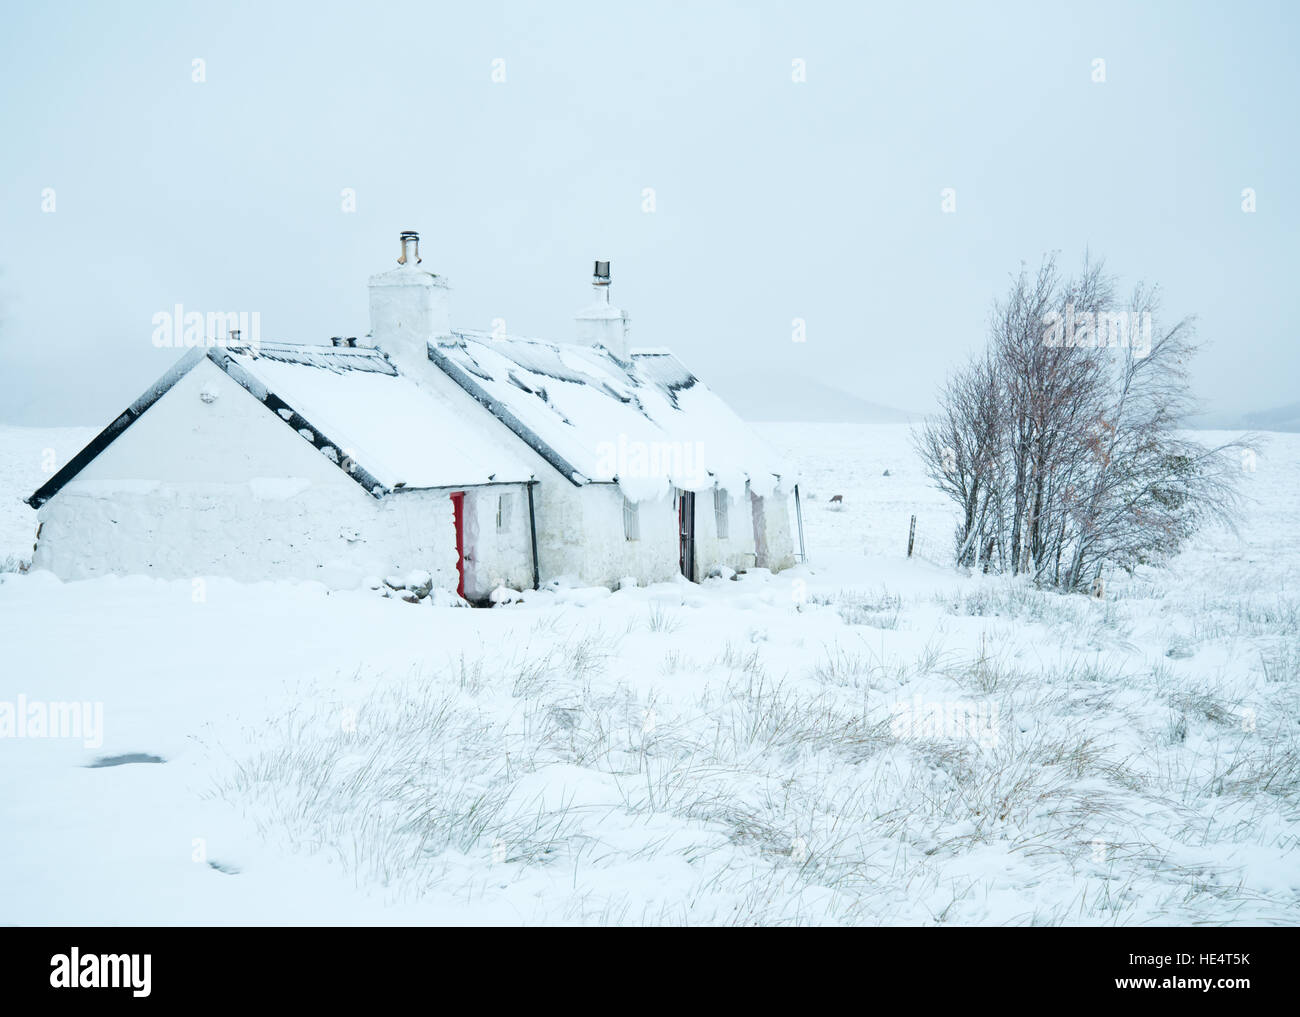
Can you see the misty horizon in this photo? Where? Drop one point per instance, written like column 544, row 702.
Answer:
column 877, row 176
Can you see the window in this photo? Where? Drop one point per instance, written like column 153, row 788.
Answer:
column 720, row 513
column 631, row 520
column 504, row 504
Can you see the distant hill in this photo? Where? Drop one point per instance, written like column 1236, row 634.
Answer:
column 772, row 397
column 1281, row 418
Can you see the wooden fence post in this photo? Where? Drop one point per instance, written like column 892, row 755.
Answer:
column 911, row 536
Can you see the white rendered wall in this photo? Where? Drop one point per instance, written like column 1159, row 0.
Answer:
column 209, row 482
column 780, row 530
column 497, row 556
column 605, row 555
column 773, row 536
column 736, row 550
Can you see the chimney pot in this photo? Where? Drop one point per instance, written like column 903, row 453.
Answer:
column 410, row 247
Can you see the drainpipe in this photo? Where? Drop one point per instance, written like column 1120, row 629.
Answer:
column 532, row 526
column 798, row 511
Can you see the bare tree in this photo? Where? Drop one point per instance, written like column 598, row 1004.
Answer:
column 961, row 449
column 1061, row 443
column 1148, row 487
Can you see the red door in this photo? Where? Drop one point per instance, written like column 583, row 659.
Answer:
column 458, row 511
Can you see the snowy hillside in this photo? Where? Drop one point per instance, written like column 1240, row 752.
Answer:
column 864, row 739
column 1279, row 418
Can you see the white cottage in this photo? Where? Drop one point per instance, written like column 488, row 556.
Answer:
column 485, row 460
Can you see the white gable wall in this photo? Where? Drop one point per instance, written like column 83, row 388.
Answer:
column 208, row 482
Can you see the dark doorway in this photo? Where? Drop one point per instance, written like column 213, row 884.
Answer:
column 686, row 533
column 458, row 511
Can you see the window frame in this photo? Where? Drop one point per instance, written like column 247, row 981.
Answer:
column 631, row 519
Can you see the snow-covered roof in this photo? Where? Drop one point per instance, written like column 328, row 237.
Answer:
column 380, row 418
column 644, row 422
column 384, row 430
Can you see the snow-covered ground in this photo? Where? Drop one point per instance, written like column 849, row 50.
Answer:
column 28, row 458
column 865, row 739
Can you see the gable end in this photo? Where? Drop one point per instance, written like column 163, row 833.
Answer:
column 247, row 381
column 114, row 430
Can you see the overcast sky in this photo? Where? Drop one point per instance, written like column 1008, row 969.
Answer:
column 774, row 199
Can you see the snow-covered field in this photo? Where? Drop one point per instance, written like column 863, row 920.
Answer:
column 865, row 739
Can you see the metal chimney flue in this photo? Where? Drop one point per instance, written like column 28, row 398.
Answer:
column 410, row 248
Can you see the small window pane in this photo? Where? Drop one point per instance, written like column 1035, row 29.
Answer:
column 631, row 520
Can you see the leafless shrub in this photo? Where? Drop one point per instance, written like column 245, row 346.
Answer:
column 1065, row 457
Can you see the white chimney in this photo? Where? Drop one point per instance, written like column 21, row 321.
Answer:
column 408, row 306
column 602, row 322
